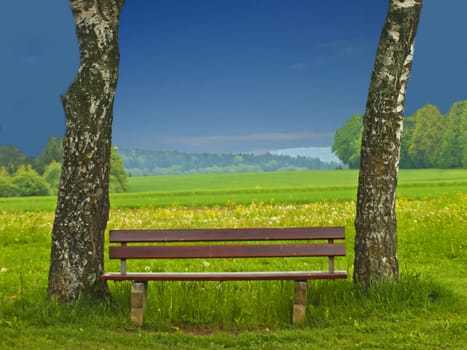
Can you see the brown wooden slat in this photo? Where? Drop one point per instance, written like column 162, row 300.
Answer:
column 226, row 251
column 225, row 276
column 232, row 234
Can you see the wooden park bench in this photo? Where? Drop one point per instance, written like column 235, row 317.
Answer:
column 224, row 243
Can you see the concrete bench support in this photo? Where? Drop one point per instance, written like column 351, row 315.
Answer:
column 299, row 304
column 138, row 302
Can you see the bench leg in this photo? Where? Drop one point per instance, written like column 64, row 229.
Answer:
column 138, row 302
column 299, row 304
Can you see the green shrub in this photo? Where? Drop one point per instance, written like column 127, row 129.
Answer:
column 52, row 176
column 118, row 181
column 30, row 183
column 7, row 188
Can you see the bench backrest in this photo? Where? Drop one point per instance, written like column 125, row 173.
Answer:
column 257, row 247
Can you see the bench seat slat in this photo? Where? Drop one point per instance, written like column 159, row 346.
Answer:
column 226, row 251
column 237, row 234
column 224, row 276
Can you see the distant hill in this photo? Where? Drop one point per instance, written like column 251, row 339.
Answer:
column 143, row 162
column 324, row 154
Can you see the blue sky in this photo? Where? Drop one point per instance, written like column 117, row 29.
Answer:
column 223, row 76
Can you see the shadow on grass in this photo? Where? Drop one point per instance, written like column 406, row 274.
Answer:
column 242, row 306
column 344, row 302
column 414, row 313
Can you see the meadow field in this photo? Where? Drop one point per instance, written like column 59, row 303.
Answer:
column 427, row 309
column 300, row 187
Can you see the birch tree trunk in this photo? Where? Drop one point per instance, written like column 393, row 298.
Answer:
column 77, row 252
column 375, row 223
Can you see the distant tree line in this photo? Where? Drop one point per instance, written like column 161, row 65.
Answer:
column 21, row 175
column 144, row 163
column 429, row 139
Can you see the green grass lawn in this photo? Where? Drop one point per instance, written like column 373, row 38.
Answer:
column 201, row 190
column 426, row 310
column 242, row 181
column 307, row 179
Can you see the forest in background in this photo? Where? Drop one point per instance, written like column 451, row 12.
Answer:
column 143, row 163
column 429, row 139
column 21, row 175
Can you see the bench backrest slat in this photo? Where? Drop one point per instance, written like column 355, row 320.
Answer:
column 237, row 234
column 226, row 251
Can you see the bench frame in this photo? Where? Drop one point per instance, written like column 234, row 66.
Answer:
column 198, row 243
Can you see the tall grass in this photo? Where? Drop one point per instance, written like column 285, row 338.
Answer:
column 427, row 310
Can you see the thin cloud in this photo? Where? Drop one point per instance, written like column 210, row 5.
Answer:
column 206, row 140
column 345, row 48
column 31, row 51
column 299, row 67
column 335, row 51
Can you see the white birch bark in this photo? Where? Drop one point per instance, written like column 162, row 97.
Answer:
column 375, row 223
column 81, row 215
